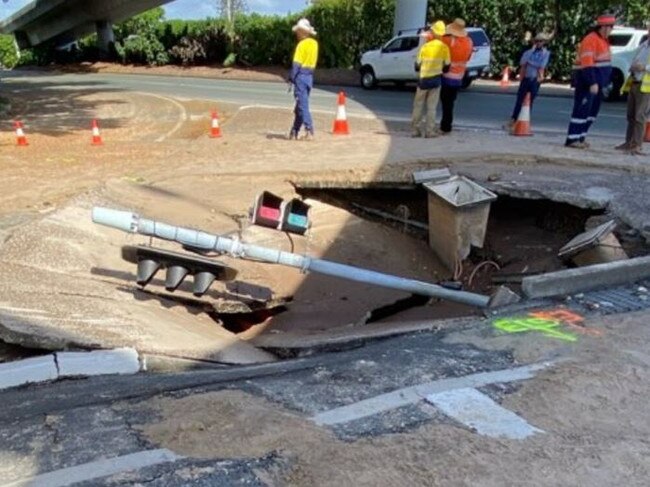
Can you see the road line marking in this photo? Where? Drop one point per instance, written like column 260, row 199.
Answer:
column 480, row 412
column 97, row 469
column 181, row 119
column 414, row 394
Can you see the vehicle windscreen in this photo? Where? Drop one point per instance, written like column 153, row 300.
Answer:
column 620, row 40
column 479, row 38
column 402, row 44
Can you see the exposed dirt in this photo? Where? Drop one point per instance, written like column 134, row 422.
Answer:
column 593, row 432
column 332, row 76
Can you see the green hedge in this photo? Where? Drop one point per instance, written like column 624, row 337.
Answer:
column 347, row 28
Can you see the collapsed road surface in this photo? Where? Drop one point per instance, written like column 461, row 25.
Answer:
column 408, row 410
column 566, row 384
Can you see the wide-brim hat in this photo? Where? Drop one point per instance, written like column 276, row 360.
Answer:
column 304, row 25
column 457, row 28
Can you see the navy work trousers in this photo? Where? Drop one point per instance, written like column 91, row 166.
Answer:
column 301, row 90
column 586, row 106
column 526, row 85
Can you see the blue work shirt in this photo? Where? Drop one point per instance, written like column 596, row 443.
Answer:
column 535, row 59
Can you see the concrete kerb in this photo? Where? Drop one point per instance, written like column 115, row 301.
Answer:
column 289, row 345
column 59, row 365
column 584, row 279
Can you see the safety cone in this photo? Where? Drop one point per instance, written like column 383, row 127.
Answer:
column 505, row 78
column 522, row 125
column 215, row 129
column 20, row 135
column 97, row 138
column 341, row 122
column 647, row 132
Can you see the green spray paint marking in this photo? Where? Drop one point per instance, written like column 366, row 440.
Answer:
column 547, row 327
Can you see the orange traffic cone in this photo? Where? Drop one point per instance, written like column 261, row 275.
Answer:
column 20, row 135
column 647, row 132
column 505, row 78
column 215, row 129
column 341, row 122
column 97, row 138
column 522, row 125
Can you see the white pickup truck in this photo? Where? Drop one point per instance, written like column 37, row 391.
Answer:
column 395, row 61
column 625, row 42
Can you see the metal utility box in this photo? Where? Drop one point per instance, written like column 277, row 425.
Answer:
column 459, row 210
column 596, row 246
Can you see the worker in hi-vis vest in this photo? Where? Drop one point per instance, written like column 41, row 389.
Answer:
column 638, row 99
column 302, row 78
column 433, row 59
column 460, row 48
column 592, row 72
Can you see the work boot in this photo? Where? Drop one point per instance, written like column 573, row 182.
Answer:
column 636, row 151
column 624, row 146
column 309, row 136
column 293, row 135
column 509, row 125
column 431, row 135
column 575, row 145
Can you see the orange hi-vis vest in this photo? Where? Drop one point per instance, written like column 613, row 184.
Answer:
column 461, row 49
column 594, row 59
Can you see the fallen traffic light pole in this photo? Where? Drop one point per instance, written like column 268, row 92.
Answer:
column 202, row 241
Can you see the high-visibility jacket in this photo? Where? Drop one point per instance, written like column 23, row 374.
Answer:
column 460, row 50
column 594, row 60
column 305, row 58
column 645, row 80
column 432, row 58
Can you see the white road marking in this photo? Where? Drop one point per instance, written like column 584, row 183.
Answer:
column 414, row 394
column 478, row 411
column 97, row 469
column 181, row 119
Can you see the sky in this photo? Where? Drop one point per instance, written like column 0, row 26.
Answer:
column 192, row 9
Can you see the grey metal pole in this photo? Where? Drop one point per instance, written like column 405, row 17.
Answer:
column 133, row 223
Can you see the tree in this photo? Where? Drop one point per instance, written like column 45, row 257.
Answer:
column 228, row 9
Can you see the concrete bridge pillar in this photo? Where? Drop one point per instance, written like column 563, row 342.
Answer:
column 410, row 14
column 105, row 36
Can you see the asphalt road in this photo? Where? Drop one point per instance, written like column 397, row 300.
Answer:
column 478, row 108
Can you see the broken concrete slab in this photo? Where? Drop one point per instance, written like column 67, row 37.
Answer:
column 430, row 175
column 595, row 246
column 64, row 286
column 572, row 281
column 482, row 414
column 98, row 362
column 28, row 371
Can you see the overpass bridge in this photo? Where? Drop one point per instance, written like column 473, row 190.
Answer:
column 67, row 20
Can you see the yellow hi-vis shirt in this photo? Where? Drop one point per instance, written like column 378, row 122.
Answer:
column 306, row 55
column 433, row 56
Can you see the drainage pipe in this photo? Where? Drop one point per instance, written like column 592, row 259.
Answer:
column 133, row 223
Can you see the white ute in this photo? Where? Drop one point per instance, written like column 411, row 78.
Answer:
column 395, row 61
column 625, row 42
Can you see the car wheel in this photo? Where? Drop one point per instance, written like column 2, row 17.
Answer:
column 368, row 79
column 615, row 86
column 467, row 82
